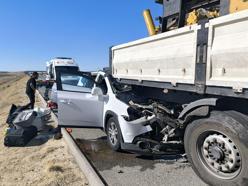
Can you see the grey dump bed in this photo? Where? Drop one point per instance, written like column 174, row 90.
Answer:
column 209, row 58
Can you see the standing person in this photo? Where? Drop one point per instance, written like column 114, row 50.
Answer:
column 30, row 90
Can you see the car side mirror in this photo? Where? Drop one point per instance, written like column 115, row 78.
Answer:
column 96, row 91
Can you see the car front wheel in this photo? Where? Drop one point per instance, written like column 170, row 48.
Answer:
column 114, row 134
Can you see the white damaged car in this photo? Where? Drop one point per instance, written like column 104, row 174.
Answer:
column 99, row 101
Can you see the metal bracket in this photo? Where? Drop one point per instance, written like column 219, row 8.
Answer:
column 238, row 89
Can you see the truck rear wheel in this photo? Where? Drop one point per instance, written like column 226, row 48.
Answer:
column 217, row 148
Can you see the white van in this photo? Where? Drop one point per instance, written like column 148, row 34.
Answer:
column 60, row 63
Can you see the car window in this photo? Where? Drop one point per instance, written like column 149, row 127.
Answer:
column 101, row 83
column 76, row 83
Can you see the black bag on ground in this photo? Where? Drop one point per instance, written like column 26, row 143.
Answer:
column 19, row 137
column 13, row 113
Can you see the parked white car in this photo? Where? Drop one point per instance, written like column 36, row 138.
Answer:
column 53, row 96
column 68, row 82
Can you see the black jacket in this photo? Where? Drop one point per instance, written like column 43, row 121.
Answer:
column 31, row 83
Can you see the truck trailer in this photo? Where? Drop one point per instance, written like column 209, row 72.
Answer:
column 191, row 75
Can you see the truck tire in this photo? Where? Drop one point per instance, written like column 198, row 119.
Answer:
column 114, row 136
column 217, row 148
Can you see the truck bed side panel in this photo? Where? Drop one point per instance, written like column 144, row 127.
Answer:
column 228, row 51
column 168, row 57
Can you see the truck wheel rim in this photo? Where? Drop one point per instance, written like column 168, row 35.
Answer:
column 113, row 133
column 219, row 154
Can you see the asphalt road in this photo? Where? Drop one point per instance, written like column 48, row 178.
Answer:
column 125, row 169
column 122, row 169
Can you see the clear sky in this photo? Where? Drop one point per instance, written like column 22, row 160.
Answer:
column 34, row 31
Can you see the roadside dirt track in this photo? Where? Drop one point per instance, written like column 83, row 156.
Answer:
column 44, row 161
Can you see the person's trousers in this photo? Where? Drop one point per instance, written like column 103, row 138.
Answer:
column 31, row 101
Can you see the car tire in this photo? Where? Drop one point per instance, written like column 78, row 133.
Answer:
column 114, row 136
column 217, row 148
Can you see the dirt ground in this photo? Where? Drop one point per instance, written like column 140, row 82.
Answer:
column 44, row 161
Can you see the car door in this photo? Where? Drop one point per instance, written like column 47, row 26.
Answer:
column 77, row 107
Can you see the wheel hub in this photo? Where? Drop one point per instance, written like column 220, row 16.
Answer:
column 216, row 153
column 221, row 154
column 113, row 133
